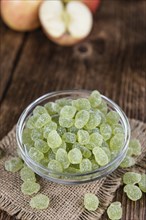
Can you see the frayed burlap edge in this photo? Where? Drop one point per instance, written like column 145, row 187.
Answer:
column 105, row 193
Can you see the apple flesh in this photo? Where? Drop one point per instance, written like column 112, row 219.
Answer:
column 92, row 4
column 65, row 24
column 21, row 15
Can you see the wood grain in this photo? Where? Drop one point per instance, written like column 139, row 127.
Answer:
column 111, row 60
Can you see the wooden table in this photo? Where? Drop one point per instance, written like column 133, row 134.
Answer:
column 112, row 60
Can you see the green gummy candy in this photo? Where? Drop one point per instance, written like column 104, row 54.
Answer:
column 83, row 137
column 81, row 119
column 27, row 174
column 42, row 146
column 68, row 112
column 29, row 187
column 55, row 166
column 39, row 110
column 62, row 157
column 94, row 120
column 142, row 183
column 114, row 211
column 42, row 120
column 91, row 201
column 39, row 201
column 48, row 128
column 100, row 156
column 69, row 137
column 14, row 164
column 133, row 192
column 35, row 154
column 54, row 140
column 66, row 122
column 95, row 99
column 96, row 139
column 131, row 178
column 135, row 145
column 81, row 104
column 127, row 162
column 112, row 117
column 52, row 108
column 117, row 142
column 75, row 156
column 106, row 131
column 85, row 166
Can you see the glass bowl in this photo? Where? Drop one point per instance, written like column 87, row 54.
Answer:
column 71, row 178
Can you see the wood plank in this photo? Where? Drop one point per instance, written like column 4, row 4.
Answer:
column 111, row 60
column 10, row 49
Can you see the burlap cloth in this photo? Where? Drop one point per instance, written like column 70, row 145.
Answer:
column 66, row 201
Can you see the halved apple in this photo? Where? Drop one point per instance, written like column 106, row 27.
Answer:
column 65, row 24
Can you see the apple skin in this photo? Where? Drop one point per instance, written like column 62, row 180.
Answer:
column 20, row 15
column 92, row 4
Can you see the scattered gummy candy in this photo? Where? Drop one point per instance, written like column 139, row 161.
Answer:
column 133, row 192
column 14, row 164
column 29, row 187
column 142, row 183
column 91, row 201
column 39, row 201
column 131, row 178
column 27, row 174
column 114, row 211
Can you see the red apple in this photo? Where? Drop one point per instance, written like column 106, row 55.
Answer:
column 21, row 15
column 92, row 4
column 65, row 24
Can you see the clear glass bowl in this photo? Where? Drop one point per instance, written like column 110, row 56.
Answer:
column 66, row 178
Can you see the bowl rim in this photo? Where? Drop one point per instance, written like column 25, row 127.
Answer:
column 30, row 107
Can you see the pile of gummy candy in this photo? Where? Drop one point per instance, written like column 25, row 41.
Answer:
column 77, row 136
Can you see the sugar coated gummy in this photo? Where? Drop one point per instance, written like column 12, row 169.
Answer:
column 142, row 183
column 133, row 192
column 55, row 165
column 106, row 131
column 83, row 137
column 35, row 154
column 68, row 112
column 39, row 110
column 112, row 117
column 127, row 162
column 85, row 166
column 54, row 140
column 14, row 164
column 81, row 119
column 69, row 137
column 48, row 128
column 62, row 157
column 96, row 139
column 95, row 99
column 114, row 211
column 52, row 108
column 39, row 201
column 94, row 120
column 29, row 187
column 81, row 104
column 100, row 156
column 75, row 156
column 41, row 145
column 91, row 201
column 27, row 174
column 135, row 146
column 42, row 120
column 131, row 178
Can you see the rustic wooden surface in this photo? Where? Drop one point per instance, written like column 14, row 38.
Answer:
column 112, row 60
